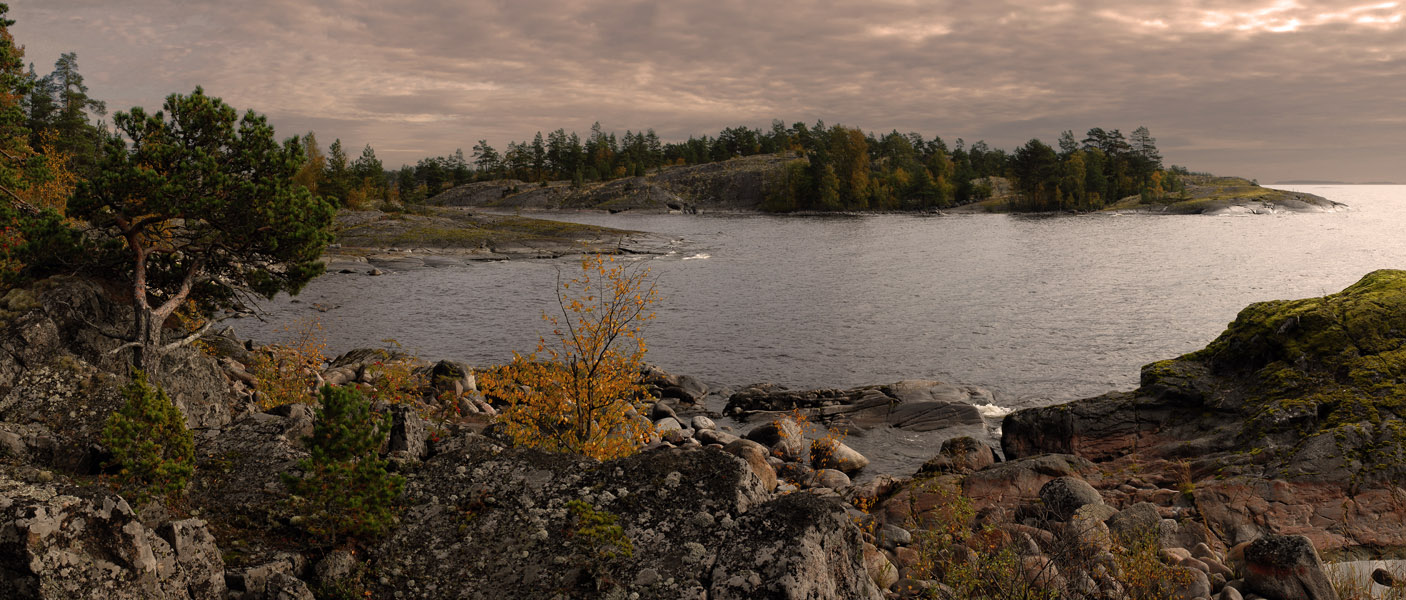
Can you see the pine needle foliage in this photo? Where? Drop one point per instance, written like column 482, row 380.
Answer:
column 152, row 450
column 583, row 393
column 344, row 490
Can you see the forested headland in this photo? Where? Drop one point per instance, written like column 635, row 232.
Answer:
column 834, row 168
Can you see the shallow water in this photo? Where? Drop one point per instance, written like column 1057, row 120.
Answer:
column 1040, row 309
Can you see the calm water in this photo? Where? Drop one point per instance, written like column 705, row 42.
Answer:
column 1040, row 309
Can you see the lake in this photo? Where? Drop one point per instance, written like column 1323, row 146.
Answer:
column 1040, row 309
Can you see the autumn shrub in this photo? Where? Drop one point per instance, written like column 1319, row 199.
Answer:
column 393, row 376
column 583, row 392
column 288, row 373
column 344, row 489
column 1142, row 573
column 989, row 563
column 152, row 450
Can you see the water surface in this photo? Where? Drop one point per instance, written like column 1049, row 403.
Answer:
column 1040, row 309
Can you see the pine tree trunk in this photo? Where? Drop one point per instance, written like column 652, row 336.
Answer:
column 147, row 334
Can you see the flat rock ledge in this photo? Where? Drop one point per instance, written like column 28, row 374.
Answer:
column 915, row 405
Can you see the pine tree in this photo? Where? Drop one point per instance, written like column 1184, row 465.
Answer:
column 344, row 489
column 336, row 176
column 14, row 136
column 76, row 136
column 151, row 447
column 206, row 205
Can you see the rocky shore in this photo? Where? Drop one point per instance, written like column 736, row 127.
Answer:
column 371, row 241
column 741, row 185
column 1229, row 473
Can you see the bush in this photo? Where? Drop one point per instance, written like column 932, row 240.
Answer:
column 988, row 562
column 584, row 395
column 344, row 490
column 598, row 533
column 287, row 373
column 151, row 447
column 393, row 377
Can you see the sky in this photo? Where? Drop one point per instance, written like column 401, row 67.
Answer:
column 1269, row 89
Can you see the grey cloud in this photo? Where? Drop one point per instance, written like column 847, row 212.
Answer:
column 433, row 75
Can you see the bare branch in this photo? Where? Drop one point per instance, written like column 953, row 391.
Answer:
column 125, row 346
column 187, row 340
column 126, row 337
column 29, row 208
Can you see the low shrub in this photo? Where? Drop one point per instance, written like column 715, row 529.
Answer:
column 152, row 450
column 344, row 490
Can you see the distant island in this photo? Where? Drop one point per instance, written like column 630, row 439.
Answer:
column 748, row 184
column 1331, row 182
column 835, row 169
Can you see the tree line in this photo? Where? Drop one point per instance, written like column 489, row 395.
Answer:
column 833, row 167
column 1085, row 175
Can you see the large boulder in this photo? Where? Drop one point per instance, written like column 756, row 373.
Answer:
column 834, row 454
column 1306, row 385
column 58, row 372
column 1063, row 496
column 1286, row 567
column 671, row 523
column 236, row 481
column 782, row 435
column 796, row 547
column 960, row 455
column 1012, row 482
column 61, row 541
column 1291, row 419
column 914, row 405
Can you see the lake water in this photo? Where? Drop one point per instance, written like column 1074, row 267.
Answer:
column 1039, row 309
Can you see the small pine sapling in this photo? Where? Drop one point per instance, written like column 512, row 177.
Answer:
column 344, row 490
column 152, row 450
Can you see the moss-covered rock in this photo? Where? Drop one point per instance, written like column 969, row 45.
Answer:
column 1312, row 388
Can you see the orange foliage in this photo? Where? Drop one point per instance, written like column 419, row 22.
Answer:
column 582, row 393
column 10, row 240
column 393, row 377
column 54, row 190
column 288, row 373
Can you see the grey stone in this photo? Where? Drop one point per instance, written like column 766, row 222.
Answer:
column 893, row 536
column 817, row 554
column 410, row 433
column 1229, row 593
column 756, row 456
column 87, row 543
column 666, row 424
column 714, row 436
column 335, row 567
column 1065, row 495
column 660, row 411
column 782, row 435
column 1279, row 566
column 833, row 454
column 1135, row 522
column 831, row 478
column 960, row 455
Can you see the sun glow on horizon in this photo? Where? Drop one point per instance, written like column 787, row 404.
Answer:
column 1287, row 16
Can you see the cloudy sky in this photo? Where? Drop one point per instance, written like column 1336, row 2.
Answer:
column 1271, row 89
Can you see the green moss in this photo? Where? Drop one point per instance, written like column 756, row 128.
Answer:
column 1304, row 368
